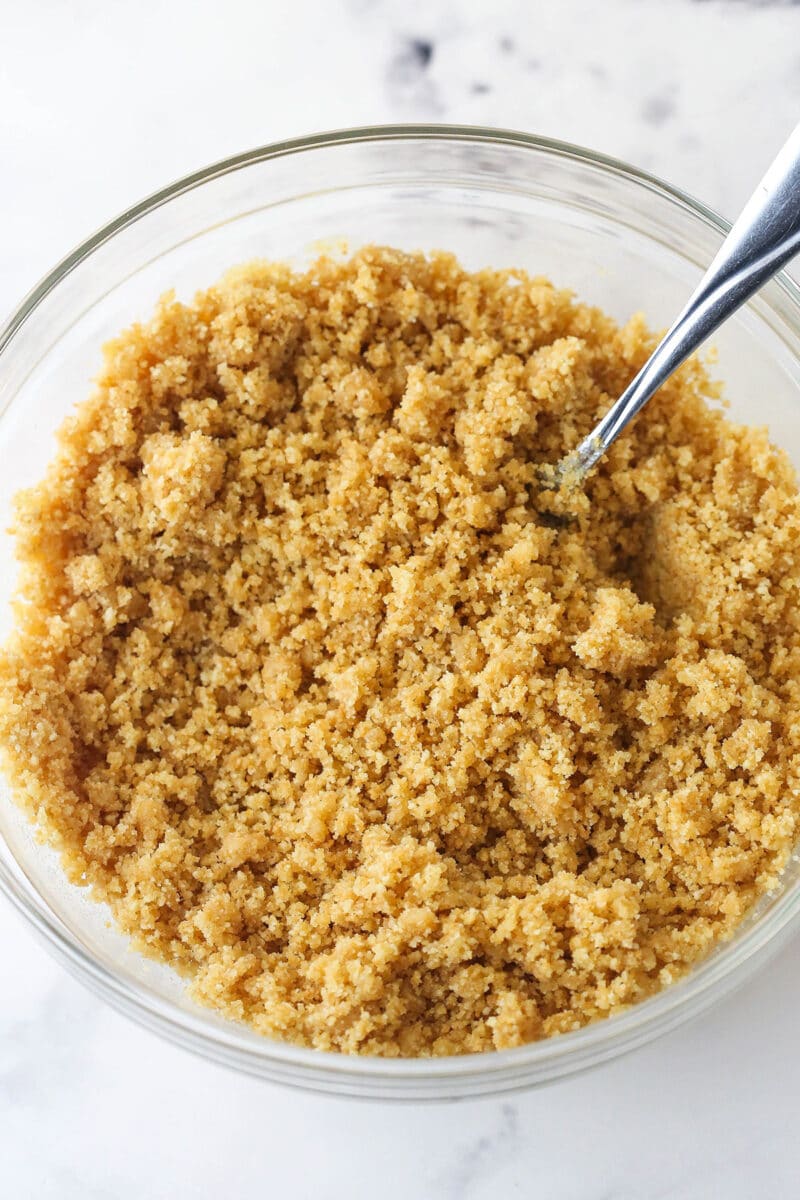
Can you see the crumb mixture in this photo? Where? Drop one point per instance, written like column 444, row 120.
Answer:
column 308, row 688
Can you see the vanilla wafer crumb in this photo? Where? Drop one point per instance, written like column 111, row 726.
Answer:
column 305, row 689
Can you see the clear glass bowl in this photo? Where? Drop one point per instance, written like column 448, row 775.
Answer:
column 619, row 238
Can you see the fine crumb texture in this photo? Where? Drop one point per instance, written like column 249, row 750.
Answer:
column 306, row 689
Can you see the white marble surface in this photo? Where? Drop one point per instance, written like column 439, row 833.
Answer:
column 100, row 102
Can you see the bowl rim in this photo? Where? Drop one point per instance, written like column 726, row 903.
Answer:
column 225, row 1040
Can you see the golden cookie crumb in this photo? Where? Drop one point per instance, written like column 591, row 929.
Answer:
column 304, row 686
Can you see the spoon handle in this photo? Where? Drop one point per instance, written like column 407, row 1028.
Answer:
column 764, row 238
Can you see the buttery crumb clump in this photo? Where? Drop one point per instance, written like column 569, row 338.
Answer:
column 306, row 689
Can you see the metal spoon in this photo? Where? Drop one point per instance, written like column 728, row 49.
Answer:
column 765, row 237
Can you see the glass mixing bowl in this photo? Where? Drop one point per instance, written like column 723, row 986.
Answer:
column 619, row 238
